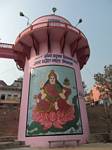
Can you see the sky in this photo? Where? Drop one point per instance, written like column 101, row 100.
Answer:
column 96, row 25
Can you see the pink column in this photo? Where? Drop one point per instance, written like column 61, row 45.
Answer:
column 52, row 105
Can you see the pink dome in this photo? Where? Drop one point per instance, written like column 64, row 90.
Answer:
column 50, row 18
column 53, row 28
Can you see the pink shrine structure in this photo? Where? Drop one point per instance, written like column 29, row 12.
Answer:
column 51, row 52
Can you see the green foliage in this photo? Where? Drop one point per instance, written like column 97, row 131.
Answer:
column 104, row 80
column 105, row 77
column 83, row 84
column 84, row 87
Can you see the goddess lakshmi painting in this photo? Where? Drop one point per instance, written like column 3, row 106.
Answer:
column 55, row 107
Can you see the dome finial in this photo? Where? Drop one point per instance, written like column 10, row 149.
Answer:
column 54, row 9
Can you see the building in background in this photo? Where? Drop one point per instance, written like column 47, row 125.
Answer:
column 10, row 94
column 96, row 96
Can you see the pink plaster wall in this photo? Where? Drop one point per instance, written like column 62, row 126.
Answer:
column 24, row 103
column 96, row 94
column 43, row 141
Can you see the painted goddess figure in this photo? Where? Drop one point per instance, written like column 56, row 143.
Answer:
column 53, row 109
